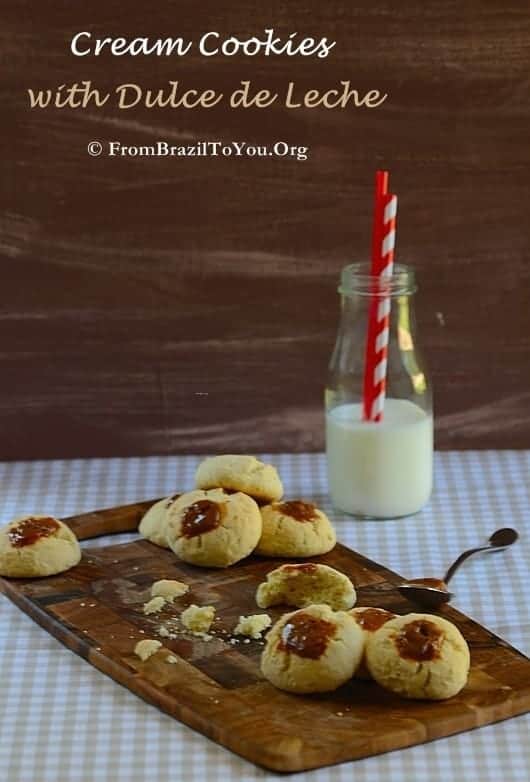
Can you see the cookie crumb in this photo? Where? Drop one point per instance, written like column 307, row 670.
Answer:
column 146, row 648
column 169, row 589
column 253, row 625
column 198, row 619
column 154, row 605
column 172, row 659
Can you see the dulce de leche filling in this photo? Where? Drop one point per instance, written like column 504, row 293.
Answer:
column 31, row 530
column 419, row 640
column 298, row 510
column 304, row 567
column 371, row 619
column 203, row 516
column 306, row 635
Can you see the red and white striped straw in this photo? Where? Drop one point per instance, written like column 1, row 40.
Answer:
column 383, row 308
column 383, row 244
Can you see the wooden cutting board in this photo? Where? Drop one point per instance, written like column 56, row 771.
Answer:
column 95, row 609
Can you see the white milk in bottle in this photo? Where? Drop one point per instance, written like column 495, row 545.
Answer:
column 378, row 469
column 382, row 469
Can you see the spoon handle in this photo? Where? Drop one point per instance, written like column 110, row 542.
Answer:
column 462, row 558
column 466, row 554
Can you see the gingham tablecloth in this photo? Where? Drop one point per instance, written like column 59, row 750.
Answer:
column 63, row 721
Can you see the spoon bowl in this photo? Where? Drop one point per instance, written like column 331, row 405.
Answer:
column 428, row 596
column 503, row 537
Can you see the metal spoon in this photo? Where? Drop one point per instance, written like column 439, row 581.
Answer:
column 433, row 592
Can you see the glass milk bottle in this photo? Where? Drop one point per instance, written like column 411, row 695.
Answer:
column 378, row 469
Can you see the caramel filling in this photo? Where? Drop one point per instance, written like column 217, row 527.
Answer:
column 31, row 530
column 298, row 510
column 420, row 640
column 305, row 567
column 306, row 635
column 371, row 619
column 203, row 516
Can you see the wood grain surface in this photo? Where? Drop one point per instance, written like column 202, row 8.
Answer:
column 189, row 305
column 216, row 687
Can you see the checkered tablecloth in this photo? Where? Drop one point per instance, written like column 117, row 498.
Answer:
column 63, row 721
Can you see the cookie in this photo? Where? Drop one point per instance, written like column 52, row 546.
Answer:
column 419, row 656
column 314, row 649
column 153, row 524
column 212, row 528
column 37, row 546
column 240, row 473
column 369, row 620
column 303, row 584
column 295, row 529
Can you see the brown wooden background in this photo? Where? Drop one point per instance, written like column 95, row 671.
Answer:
column 164, row 305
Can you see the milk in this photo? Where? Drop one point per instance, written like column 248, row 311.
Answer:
column 382, row 470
